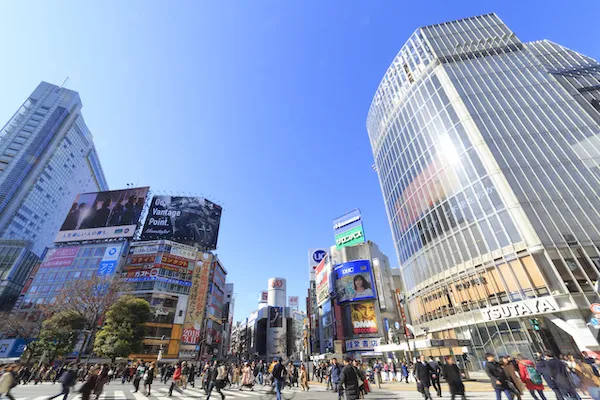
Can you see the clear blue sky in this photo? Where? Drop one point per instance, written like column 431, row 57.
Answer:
column 260, row 105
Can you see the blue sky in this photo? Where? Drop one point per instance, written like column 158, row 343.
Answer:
column 258, row 105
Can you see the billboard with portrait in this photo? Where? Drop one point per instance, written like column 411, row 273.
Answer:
column 360, row 319
column 354, row 281
column 190, row 220
column 275, row 317
column 103, row 215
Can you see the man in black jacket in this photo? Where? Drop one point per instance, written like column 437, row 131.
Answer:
column 560, row 376
column 454, row 378
column 498, row 377
column 436, row 381
column 543, row 368
column 423, row 374
column 349, row 381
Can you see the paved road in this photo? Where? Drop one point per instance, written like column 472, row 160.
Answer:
column 116, row 391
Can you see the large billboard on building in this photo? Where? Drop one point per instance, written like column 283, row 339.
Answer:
column 190, row 220
column 322, row 273
column 348, row 229
column 293, row 301
column 103, row 215
column 196, row 306
column 360, row 318
column 354, row 281
column 314, row 258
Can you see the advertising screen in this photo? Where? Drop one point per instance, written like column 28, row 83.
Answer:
column 191, row 220
column 362, row 318
column 275, row 317
column 348, row 229
column 103, row 215
column 322, row 273
column 354, row 281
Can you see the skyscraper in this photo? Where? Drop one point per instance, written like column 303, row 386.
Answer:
column 488, row 155
column 47, row 156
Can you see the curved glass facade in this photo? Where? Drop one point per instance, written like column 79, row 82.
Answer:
column 487, row 152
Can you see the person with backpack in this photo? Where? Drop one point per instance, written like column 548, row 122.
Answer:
column 139, row 374
column 67, row 380
column 530, row 377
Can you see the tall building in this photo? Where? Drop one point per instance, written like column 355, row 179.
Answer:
column 228, row 310
column 488, row 151
column 47, row 156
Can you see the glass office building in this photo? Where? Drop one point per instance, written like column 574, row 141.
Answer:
column 47, row 156
column 488, row 155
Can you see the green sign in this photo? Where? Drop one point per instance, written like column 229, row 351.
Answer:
column 349, row 238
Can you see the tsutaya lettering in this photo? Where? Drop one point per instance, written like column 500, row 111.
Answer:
column 520, row 309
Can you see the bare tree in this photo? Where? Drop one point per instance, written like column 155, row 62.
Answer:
column 90, row 299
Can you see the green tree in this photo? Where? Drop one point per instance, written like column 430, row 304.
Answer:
column 59, row 333
column 124, row 328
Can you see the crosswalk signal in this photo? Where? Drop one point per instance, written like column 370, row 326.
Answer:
column 535, row 323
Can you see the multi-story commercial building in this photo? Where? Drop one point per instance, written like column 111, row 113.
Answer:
column 228, row 309
column 487, row 151
column 47, row 156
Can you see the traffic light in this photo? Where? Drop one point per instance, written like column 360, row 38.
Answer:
column 535, row 323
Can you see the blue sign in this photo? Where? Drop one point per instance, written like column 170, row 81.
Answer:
column 347, row 222
column 106, row 267
column 318, row 255
column 10, row 348
column 354, row 281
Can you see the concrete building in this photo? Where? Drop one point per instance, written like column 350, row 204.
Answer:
column 488, row 156
column 47, row 156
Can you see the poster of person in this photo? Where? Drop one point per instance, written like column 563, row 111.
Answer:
column 275, row 317
column 190, row 220
column 363, row 318
column 103, row 215
column 354, row 281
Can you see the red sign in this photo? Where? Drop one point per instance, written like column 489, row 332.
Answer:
column 190, row 336
column 277, row 284
column 142, row 272
column 60, row 257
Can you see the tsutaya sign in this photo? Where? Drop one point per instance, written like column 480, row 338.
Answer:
column 521, row 309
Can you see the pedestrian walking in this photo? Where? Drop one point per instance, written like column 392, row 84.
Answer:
column 497, row 376
column 67, row 381
column 149, row 378
column 435, row 381
column 278, row 372
column 176, row 381
column 360, row 375
column 88, row 386
column 515, row 384
column 561, row 376
column 247, row 377
column 211, row 379
column 191, row 376
column 590, row 382
column 453, row 377
column 303, row 377
column 424, row 374
column 348, row 383
column 8, row 380
column 404, row 369
column 102, row 380
column 377, row 371
column 336, row 371
column 530, row 377
column 138, row 372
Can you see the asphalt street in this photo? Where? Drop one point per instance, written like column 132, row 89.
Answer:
column 117, row 391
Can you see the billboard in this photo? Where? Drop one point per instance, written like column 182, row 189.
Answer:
column 60, row 257
column 314, row 258
column 264, row 297
column 103, row 215
column 362, row 318
column 110, row 259
column 293, row 301
column 275, row 317
column 322, row 273
column 196, row 306
column 348, row 229
column 191, row 220
column 354, row 281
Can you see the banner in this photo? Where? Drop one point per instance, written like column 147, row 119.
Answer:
column 293, row 301
column 354, row 281
column 191, row 220
column 60, row 257
column 103, row 215
column 363, row 318
column 322, row 273
column 196, row 306
column 275, row 317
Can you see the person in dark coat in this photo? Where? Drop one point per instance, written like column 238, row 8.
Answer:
column 436, row 381
column 89, row 385
column 349, row 381
column 454, row 378
column 72, row 219
column 336, row 371
column 560, row 376
column 543, row 368
column 498, row 377
column 423, row 374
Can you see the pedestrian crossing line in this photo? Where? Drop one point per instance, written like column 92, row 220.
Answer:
column 181, row 396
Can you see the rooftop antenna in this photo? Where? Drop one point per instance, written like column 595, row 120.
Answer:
column 63, row 82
